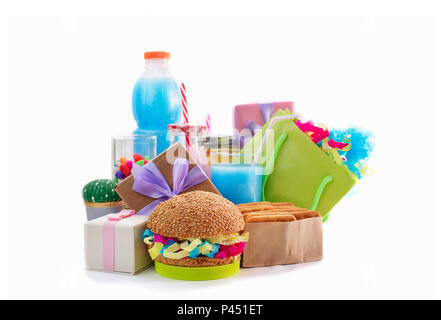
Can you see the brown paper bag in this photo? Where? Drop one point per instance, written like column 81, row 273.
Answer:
column 164, row 162
column 277, row 243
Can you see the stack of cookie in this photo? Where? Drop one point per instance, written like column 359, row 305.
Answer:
column 274, row 212
column 281, row 233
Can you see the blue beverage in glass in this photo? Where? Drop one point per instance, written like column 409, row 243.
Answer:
column 156, row 99
column 239, row 183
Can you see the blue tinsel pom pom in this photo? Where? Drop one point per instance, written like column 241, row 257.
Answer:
column 362, row 143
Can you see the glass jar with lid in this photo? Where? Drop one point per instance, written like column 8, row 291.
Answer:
column 191, row 137
column 235, row 174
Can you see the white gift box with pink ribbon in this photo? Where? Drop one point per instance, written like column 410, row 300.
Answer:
column 114, row 243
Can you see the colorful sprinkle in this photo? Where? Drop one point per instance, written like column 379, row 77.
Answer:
column 137, row 157
column 119, row 175
column 125, row 170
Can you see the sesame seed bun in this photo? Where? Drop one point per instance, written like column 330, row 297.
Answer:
column 196, row 214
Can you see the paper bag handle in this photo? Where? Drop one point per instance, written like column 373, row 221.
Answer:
column 270, row 125
column 273, row 160
column 319, row 191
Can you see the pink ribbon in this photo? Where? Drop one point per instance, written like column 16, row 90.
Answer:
column 317, row 133
column 337, row 145
column 109, row 238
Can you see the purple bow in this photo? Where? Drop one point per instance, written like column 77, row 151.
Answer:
column 150, row 182
column 266, row 110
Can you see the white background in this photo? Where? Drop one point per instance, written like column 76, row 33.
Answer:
column 70, row 76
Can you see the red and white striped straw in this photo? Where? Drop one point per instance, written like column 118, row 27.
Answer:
column 184, row 103
column 208, row 123
column 185, row 114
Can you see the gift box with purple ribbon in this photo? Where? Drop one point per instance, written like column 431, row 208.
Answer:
column 172, row 172
column 253, row 116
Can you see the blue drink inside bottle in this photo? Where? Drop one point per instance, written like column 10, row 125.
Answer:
column 156, row 100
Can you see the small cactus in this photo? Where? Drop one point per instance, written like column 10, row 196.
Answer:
column 100, row 191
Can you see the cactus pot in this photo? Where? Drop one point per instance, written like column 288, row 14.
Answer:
column 96, row 210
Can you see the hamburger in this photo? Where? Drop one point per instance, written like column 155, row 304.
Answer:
column 196, row 229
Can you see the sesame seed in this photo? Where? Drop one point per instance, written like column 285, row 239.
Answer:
column 197, row 214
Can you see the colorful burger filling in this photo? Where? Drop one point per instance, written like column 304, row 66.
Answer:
column 218, row 247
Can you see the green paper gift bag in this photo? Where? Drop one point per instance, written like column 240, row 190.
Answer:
column 296, row 169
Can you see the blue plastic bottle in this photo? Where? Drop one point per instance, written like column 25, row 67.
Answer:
column 156, row 99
